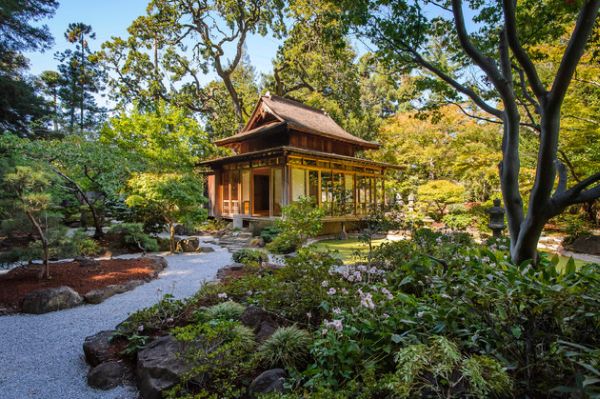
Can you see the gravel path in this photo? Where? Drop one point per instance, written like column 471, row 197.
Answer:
column 41, row 356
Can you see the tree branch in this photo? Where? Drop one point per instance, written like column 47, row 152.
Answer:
column 518, row 51
column 479, row 58
column 562, row 177
column 575, row 48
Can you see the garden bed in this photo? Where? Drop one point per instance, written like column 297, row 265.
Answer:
column 21, row 281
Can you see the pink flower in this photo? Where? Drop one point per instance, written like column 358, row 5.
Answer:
column 335, row 324
column 331, row 291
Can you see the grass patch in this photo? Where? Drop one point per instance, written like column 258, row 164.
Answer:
column 351, row 249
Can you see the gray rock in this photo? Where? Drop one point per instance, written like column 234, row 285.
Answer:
column 97, row 347
column 107, row 375
column 188, row 245
column 206, row 249
column 259, row 320
column 222, row 272
column 160, row 366
column 101, row 294
column 269, row 381
column 159, row 262
column 586, row 245
column 51, row 299
column 87, row 262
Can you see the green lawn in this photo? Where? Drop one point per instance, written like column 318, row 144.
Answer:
column 347, row 250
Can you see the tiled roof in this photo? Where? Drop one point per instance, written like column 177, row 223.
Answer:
column 301, row 117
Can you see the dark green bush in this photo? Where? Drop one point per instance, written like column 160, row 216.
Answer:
column 269, row 233
column 249, row 256
column 132, row 237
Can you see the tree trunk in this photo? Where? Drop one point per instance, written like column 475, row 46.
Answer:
column 172, row 237
column 235, row 99
column 45, row 266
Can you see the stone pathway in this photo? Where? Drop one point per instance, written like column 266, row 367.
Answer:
column 41, row 356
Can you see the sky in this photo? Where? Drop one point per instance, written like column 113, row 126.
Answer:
column 111, row 18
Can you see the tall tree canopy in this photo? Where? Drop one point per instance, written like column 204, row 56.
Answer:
column 182, row 40
column 19, row 104
column 490, row 61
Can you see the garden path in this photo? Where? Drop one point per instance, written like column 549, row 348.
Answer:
column 41, row 356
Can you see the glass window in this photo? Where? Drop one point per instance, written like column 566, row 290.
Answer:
column 349, row 186
column 277, row 190
column 298, row 183
column 313, row 184
column 246, row 191
column 235, row 185
column 326, row 191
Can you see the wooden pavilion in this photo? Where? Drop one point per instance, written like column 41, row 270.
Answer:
column 287, row 150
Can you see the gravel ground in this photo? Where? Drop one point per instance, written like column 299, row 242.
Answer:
column 41, row 356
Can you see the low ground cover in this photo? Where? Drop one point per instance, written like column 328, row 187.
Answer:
column 436, row 316
column 18, row 282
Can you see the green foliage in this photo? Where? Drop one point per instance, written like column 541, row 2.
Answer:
column 228, row 310
column 438, row 368
column 174, row 198
column 133, row 237
column 287, row 347
column 219, row 349
column 250, row 256
column 269, row 233
column 457, row 221
column 300, row 220
column 168, row 139
column 440, row 194
column 164, row 314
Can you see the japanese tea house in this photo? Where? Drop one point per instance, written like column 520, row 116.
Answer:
column 287, row 150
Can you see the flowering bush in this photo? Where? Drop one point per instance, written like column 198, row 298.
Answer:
column 437, row 314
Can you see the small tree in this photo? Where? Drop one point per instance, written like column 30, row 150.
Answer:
column 28, row 192
column 440, row 194
column 174, row 198
column 300, row 220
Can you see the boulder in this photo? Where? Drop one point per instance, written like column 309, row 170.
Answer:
column 97, row 347
column 51, row 299
column 222, row 272
column 107, row 375
column 159, row 262
column 188, row 245
column 101, row 294
column 160, row 366
column 586, row 245
column 268, row 381
column 259, row 320
column 206, row 249
column 87, row 262
column 182, row 230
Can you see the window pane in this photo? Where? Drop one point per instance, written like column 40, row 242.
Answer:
column 277, row 189
column 313, row 184
column 298, row 183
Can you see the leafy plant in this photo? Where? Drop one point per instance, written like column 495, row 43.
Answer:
column 228, row 310
column 249, row 256
column 300, row 220
column 220, row 349
column 133, row 236
column 269, row 233
column 287, row 347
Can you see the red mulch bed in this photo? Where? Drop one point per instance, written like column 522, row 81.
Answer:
column 20, row 281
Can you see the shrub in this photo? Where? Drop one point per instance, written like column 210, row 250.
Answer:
column 132, row 236
column 83, row 244
column 440, row 370
column 249, row 256
column 440, row 194
column 221, row 349
column 457, row 221
column 269, row 233
column 224, row 311
column 287, row 347
column 158, row 317
column 299, row 221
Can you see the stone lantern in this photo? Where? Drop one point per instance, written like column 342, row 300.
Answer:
column 496, row 223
